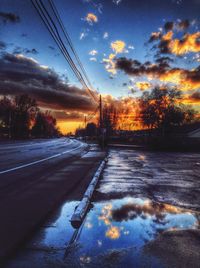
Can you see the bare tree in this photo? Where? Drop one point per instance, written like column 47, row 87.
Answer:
column 159, row 109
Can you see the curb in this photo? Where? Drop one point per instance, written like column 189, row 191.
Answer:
column 82, row 208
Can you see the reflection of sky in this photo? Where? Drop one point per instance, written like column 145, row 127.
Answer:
column 115, row 229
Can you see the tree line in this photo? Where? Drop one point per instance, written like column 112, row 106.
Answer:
column 160, row 110
column 21, row 118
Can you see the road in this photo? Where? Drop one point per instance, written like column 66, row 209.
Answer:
column 35, row 176
column 23, row 164
column 18, row 155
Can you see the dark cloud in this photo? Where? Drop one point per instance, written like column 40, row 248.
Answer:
column 163, row 47
column 164, row 60
column 195, row 96
column 3, row 45
column 69, row 116
column 193, row 75
column 19, row 75
column 9, row 17
column 186, row 79
column 134, row 67
column 184, row 24
column 155, row 36
column 31, row 51
column 170, row 42
column 169, row 25
column 20, row 50
column 52, row 48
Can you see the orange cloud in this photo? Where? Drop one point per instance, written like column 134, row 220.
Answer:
column 189, row 43
column 167, row 36
column 184, row 79
column 193, row 98
column 167, row 43
column 91, row 18
column 155, row 36
column 110, row 64
column 143, row 85
column 118, row 46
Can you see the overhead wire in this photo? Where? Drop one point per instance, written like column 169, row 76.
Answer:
column 55, row 11
column 51, row 27
column 92, row 115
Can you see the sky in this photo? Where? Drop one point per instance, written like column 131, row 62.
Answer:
column 125, row 46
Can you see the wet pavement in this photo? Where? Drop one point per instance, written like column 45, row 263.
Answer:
column 160, row 176
column 143, row 197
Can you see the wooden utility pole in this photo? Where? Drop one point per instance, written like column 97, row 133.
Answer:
column 100, row 113
column 85, row 121
column 85, row 127
column 102, row 138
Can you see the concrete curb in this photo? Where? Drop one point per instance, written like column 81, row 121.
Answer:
column 81, row 210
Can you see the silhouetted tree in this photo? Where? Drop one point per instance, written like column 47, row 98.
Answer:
column 20, row 117
column 91, row 129
column 25, row 111
column 109, row 119
column 45, row 126
column 159, row 109
column 80, row 132
column 6, row 117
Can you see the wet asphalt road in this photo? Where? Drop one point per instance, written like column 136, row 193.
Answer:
column 142, row 196
column 25, row 163
column 17, row 154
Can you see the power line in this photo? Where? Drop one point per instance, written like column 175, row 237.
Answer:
column 55, row 37
column 82, row 80
column 55, row 11
column 92, row 115
column 51, row 27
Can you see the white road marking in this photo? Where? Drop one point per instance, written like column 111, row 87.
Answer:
column 32, row 144
column 40, row 161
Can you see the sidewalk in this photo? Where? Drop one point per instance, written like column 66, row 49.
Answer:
column 22, row 216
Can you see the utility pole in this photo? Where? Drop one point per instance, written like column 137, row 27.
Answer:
column 102, row 139
column 85, row 126
column 9, row 133
column 85, row 121
column 100, row 112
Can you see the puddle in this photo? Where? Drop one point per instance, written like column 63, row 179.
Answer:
column 112, row 235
